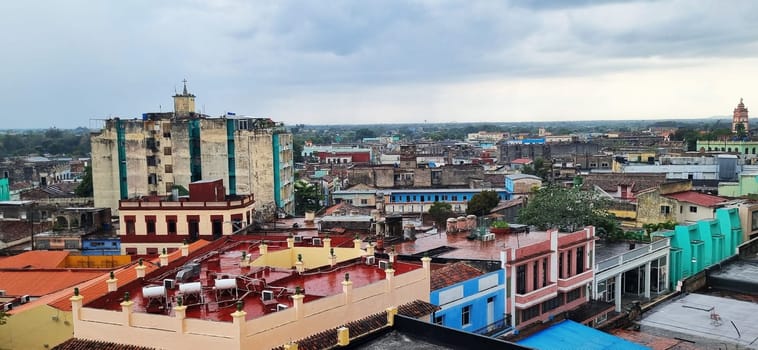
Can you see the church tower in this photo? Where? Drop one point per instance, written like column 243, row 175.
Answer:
column 184, row 103
column 740, row 116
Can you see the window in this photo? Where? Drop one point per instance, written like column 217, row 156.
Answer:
column 151, row 161
column 568, row 266
column 168, row 168
column 151, row 251
column 603, row 165
column 440, row 320
column 560, row 266
column 130, row 230
column 455, row 197
column 152, row 179
column 693, row 209
column 521, row 279
column 530, row 313
column 169, row 187
column 665, row 210
column 574, row 294
column 466, row 316
column 150, row 224
column 131, row 251
column 171, row 224
column 551, row 304
column 364, row 201
column 535, row 276
column 579, row 260
column 544, row 272
column 166, row 151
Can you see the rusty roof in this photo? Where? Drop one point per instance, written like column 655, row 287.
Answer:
column 83, row 344
column 40, row 259
column 697, row 198
column 453, row 274
column 41, row 282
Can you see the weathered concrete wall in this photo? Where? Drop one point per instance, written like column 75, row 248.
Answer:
column 461, row 175
column 422, row 177
column 262, row 170
column 105, row 182
column 213, row 150
column 649, row 208
column 180, row 153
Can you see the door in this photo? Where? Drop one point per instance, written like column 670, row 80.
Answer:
column 490, row 311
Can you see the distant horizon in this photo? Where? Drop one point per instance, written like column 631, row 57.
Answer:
column 361, row 62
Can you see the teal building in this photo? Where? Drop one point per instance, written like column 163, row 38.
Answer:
column 702, row 244
column 5, row 190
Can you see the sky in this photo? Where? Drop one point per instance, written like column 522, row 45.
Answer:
column 72, row 63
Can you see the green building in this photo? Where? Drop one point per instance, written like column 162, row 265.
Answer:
column 5, row 190
column 704, row 243
column 741, row 147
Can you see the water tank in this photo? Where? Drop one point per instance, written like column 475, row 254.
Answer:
column 226, row 283
column 153, row 292
column 190, row 288
column 727, row 167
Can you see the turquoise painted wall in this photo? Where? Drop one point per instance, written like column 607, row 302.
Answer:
column 5, row 190
column 707, row 242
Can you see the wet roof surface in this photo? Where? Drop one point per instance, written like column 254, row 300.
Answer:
column 469, row 249
column 605, row 250
column 217, row 304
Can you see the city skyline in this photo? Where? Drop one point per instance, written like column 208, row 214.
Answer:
column 371, row 62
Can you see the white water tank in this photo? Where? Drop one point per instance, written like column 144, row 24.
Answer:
column 226, row 283
column 190, row 288
column 153, row 292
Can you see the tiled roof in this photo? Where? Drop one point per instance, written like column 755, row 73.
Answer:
column 521, row 161
column 452, row 274
column 97, row 287
column 37, row 283
column 40, row 259
column 82, row 344
column 698, row 198
column 327, row 339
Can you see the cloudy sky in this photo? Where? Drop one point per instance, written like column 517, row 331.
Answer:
column 67, row 63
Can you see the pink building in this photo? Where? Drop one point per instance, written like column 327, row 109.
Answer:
column 549, row 276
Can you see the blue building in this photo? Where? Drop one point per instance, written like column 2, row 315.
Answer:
column 419, row 200
column 101, row 246
column 469, row 299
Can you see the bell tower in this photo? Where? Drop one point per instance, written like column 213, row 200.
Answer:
column 740, row 116
column 184, row 103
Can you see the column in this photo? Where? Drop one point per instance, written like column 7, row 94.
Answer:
column 647, row 280
column 185, row 249
column 390, row 276
column 238, row 320
column 370, row 249
column 76, row 305
column 530, row 276
column 297, row 302
column 262, row 249
column 126, row 310
column 357, row 243
column 617, row 291
column 163, row 258
column 391, row 312
column 343, row 336
column 140, row 269
column 180, row 313
column 290, row 242
column 327, row 242
column 347, row 289
column 112, row 284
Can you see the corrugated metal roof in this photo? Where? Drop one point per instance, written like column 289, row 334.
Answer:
column 571, row 335
column 698, row 198
column 40, row 259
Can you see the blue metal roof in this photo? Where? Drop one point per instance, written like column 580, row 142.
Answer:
column 571, row 335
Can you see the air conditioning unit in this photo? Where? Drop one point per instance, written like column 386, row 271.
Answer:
column 2, row 292
column 383, row 264
column 54, row 318
column 317, row 241
column 489, row 237
column 298, row 239
column 267, row 295
column 280, row 307
column 169, row 283
column 25, row 299
column 8, row 307
column 370, row 260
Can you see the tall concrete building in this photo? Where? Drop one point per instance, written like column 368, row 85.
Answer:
column 161, row 151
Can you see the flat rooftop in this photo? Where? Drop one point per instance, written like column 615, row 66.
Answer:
column 605, row 250
column 690, row 317
column 738, row 272
column 460, row 247
column 210, row 302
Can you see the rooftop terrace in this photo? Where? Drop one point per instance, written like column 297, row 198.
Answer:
column 264, row 282
column 458, row 246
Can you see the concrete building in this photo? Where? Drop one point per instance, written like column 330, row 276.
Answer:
column 242, row 293
column 153, row 155
column 699, row 245
column 149, row 225
column 521, row 184
column 675, row 201
column 469, row 299
column 632, row 270
column 415, row 201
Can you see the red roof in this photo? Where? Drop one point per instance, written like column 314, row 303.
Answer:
column 701, row 199
column 453, row 274
column 40, row 259
column 521, row 161
column 38, row 283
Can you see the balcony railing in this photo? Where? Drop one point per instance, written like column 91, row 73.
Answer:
column 631, row 255
column 576, row 280
column 524, row 300
column 498, row 326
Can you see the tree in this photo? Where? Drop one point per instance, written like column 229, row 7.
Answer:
column 85, row 187
column 538, row 168
column 440, row 211
column 568, row 210
column 307, row 197
column 482, row 202
column 740, row 131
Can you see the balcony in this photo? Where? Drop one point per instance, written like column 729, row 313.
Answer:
column 529, row 299
column 565, row 285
